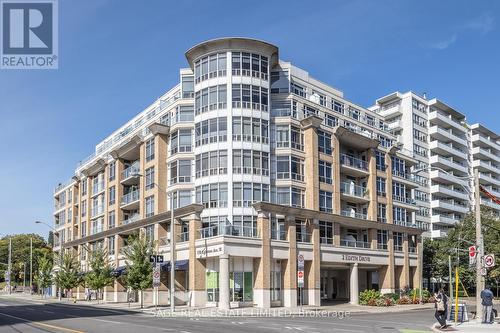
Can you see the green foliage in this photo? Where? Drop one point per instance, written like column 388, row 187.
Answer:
column 21, row 255
column 68, row 273
column 368, row 296
column 101, row 272
column 415, row 293
column 139, row 269
column 436, row 251
column 43, row 278
column 393, row 296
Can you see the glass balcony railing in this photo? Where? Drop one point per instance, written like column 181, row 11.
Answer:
column 131, row 171
column 97, row 210
column 130, row 197
column 97, row 187
column 353, row 189
column 354, row 243
column 405, row 175
column 228, row 230
column 353, row 162
column 353, row 214
column 132, row 219
column 405, row 200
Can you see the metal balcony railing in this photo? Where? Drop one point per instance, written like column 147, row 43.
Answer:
column 353, row 162
column 352, row 189
column 131, row 171
column 130, row 197
column 351, row 243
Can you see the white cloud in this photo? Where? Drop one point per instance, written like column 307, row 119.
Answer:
column 444, row 44
column 484, row 23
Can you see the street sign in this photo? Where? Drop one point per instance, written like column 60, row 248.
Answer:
column 489, row 260
column 484, row 272
column 300, row 279
column 300, row 262
column 472, row 261
column 472, row 251
column 155, row 258
column 156, row 276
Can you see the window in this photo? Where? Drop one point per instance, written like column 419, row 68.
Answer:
column 381, row 213
column 149, row 206
column 337, row 106
column 112, row 171
column 149, row 232
column 382, row 238
column 399, row 215
column 398, row 166
column 111, row 220
column 419, row 150
column 180, row 141
column 182, row 198
column 325, row 142
column 398, row 241
column 381, row 186
column 325, row 201
column 212, row 195
column 419, row 135
column 275, row 280
column 84, row 229
column 250, row 97
column 419, row 120
column 150, row 178
column 250, row 129
column 187, row 86
column 209, row 131
column 380, row 160
column 211, row 98
column 112, row 195
column 330, row 120
column 297, row 89
column 214, row 65
column 180, row 171
column 325, row 232
column 422, row 196
column 150, row 150
column 212, row 163
column 84, row 186
column 325, row 172
column 111, row 245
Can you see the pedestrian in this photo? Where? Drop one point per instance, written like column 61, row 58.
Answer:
column 441, row 307
column 487, row 303
column 87, row 294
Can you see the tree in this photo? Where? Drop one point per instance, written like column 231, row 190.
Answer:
column 50, row 239
column 68, row 274
column 43, row 277
column 139, row 269
column 101, row 273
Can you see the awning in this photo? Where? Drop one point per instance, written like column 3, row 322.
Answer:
column 180, row 265
column 119, row 271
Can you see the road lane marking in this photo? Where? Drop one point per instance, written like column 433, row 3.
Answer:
column 107, row 321
column 60, row 328
column 46, row 311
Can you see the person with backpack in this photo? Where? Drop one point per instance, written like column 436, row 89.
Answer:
column 441, row 307
column 487, row 303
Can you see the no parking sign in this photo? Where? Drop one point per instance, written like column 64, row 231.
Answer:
column 489, row 260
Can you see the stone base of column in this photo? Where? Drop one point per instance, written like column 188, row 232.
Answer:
column 197, row 298
column 313, row 297
column 262, row 298
column 290, row 298
column 120, row 296
column 387, row 291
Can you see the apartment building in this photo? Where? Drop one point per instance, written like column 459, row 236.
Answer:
column 447, row 150
column 260, row 163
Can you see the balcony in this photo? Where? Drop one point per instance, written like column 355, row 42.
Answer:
column 447, row 219
column 353, row 193
column 476, row 138
column 490, row 203
column 228, row 230
column 131, row 174
column 408, row 224
column 450, row 205
column 96, row 229
column 130, row 200
column 446, row 135
column 353, row 166
column 391, row 111
column 437, row 118
column 406, row 177
column 353, row 243
column 131, row 219
column 408, row 202
column 486, row 179
column 446, row 178
column 484, row 154
column 396, row 125
column 353, row 214
column 446, row 164
column 484, row 166
column 445, row 149
column 96, row 211
column 448, row 191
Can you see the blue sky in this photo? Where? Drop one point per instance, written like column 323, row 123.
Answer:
column 116, row 57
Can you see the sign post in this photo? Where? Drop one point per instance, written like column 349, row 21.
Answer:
column 156, row 260
column 300, row 277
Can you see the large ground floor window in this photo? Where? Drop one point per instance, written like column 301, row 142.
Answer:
column 241, row 279
column 276, row 280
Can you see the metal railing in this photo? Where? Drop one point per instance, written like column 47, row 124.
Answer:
column 228, row 230
column 133, row 170
column 351, row 243
column 303, row 237
column 405, row 200
column 132, row 219
column 353, row 162
column 352, row 189
column 354, row 214
column 405, row 175
column 130, row 197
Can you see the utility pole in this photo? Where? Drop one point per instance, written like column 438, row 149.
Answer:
column 31, row 265
column 10, row 265
column 172, row 254
column 480, row 247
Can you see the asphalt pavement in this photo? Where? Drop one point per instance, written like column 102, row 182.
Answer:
column 27, row 316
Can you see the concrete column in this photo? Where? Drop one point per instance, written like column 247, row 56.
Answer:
column 262, row 265
column 386, row 273
column 354, row 284
column 290, row 267
column 311, row 178
column 197, row 270
column 372, row 185
column 313, row 278
column 417, row 276
column 336, row 233
column 224, row 281
column 372, row 238
column 336, row 175
column 388, row 189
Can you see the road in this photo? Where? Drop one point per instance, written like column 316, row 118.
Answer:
column 26, row 316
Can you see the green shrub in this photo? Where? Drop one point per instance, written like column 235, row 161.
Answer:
column 367, row 297
column 416, row 293
column 393, row 296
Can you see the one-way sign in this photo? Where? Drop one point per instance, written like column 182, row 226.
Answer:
column 155, row 258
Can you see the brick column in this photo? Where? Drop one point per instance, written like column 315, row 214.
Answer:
column 289, row 268
column 372, row 238
column 313, row 277
column 417, row 276
column 336, row 175
column 336, row 234
column 311, row 175
column 386, row 272
column 405, row 274
column 197, row 270
column 262, row 265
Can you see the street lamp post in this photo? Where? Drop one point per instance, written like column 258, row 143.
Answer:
column 10, row 265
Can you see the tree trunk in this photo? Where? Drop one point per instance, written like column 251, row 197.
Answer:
column 141, row 297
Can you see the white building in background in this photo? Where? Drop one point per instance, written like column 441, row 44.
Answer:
column 447, row 150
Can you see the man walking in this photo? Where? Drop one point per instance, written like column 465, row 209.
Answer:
column 441, row 307
column 487, row 303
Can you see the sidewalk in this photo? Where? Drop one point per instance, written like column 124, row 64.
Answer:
column 470, row 327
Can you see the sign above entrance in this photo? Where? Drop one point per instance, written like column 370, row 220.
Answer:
column 210, row 251
column 355, row 257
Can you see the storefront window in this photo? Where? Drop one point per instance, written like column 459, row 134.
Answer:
column 212, row 282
